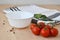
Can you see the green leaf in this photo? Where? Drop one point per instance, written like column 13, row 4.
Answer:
column 37, row 15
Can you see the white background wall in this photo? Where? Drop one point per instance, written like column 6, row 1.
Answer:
column 56, row 2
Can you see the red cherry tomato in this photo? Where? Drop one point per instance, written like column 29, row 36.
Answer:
column 54, row 32
column 35, row 29
column 48, row 26
column 41, row 24
column 45, row 32
column 32, row 26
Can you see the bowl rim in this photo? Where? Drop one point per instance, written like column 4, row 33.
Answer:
column 9, row 17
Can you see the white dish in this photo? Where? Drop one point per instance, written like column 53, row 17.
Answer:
column 19, row 19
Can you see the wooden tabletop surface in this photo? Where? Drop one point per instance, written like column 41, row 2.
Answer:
column 22, row 34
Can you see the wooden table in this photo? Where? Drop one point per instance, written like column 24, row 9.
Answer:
column 21, row 34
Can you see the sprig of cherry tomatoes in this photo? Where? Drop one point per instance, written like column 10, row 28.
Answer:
column 43, row 30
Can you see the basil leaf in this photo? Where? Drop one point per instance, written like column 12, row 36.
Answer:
column 37, row 15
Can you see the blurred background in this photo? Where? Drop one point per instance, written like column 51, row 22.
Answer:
column 38, row 2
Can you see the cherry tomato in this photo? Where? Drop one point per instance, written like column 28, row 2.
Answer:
column 35, row 29
column 41, row 24
column 45, row 32
column 48, row 26
column 32, row 26
column 54, row 32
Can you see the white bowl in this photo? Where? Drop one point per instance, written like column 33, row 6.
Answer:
column 19, row 19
